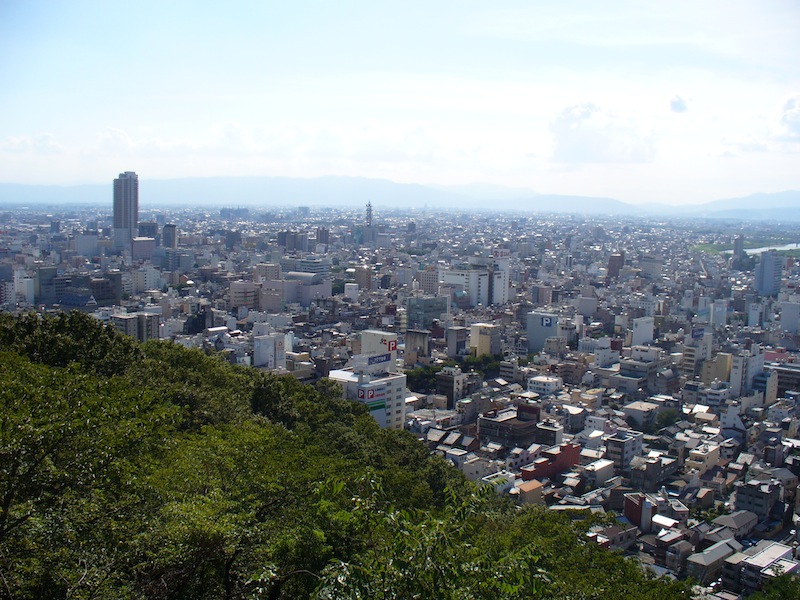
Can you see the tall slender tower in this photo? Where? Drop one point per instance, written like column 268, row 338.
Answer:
column 370, row 232
column 126, row 208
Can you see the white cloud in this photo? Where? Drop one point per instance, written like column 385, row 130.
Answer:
column 789, row 124
column 586, row 134
column 41, row 144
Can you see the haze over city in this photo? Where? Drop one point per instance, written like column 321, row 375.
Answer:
column 674, row 103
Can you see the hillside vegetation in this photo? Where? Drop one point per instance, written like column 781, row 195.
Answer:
column 153, row 471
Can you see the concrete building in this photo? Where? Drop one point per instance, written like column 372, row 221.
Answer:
column 374, row 381
column 745, row 365
column 788, row 376
column 142, row 248
column 509, row 428
column 774, row 560
column 452, row 383
column 757, row 496
column 790, row 317
column 429, row 280
column 703, row 458
column 244, row 294
column 623, row 446
column 417, row 346
column 484, row 338
column 141, row 326
column 643, row 329
column 126, row 208
column 541, row 326
column 642, row 414
column 545, row 385
column 768, row 273
column 266, row 272
column 363, row 277
column 457, row 338
column 375, row 341
column 269, row 351
column 473, row 282
column 424, row 310
column 169, row 236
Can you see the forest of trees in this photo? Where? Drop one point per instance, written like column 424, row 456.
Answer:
column 153, row 471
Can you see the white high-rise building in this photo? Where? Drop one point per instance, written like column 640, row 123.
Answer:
column 474, row 282
column 744, row 367
column 126, row 208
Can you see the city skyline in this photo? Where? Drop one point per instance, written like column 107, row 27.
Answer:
column 684, row 104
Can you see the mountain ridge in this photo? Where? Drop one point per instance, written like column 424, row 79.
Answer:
column 267, row 191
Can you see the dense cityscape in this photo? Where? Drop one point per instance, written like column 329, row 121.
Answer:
column 639, row 367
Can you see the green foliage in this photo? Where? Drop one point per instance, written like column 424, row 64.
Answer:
column 486, row 364
column 154, row 471
column 667, row 417
column 711, row 513
column 69, row 460
column 422, row 379
column 780, row 588
column 68, row 338
column 416, row 554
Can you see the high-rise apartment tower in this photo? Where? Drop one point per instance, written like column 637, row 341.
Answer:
column 126, row 208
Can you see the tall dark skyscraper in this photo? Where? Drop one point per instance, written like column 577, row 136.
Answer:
column 169, row 236
column 615, row 263
column 126, row 208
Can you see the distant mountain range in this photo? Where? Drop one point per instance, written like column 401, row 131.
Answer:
column 270, row 192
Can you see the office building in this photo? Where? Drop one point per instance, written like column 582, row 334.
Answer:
column 485, row 338
column 429, row 280
column 148, row 229
column 615, row 263
column 474, row 283
column 169, row 236
column 423, row 310
column 540, row 327
column 744, row 367
column 457, row 338
column 768, row 274
column 643, row 329
column 126, row 208
column 363, row 277
column 790, row 317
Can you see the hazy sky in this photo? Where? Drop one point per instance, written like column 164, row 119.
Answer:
column 642, row 101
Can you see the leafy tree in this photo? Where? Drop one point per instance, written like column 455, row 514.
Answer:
column 153, row 471
column 667, row 417
column 422, row 379
column 779, row 588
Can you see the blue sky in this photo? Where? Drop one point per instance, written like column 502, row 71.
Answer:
column 677, row 102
